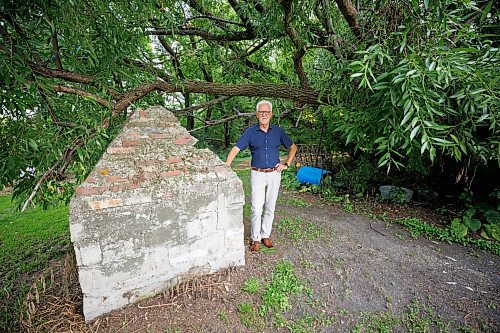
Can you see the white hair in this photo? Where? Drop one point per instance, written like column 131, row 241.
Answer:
column 264, row 102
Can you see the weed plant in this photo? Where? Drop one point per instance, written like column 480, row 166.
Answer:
column 251, row 286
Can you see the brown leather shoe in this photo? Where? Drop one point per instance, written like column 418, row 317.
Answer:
column 255, row 247
column 267, row 243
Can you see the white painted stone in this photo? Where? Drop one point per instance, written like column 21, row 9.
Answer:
column 91, row 254
column 231, row 218
column 78, row 256
column 113, row 252
column 138, row 241
column 76, row 231
column 234, row 239
column 139, row 199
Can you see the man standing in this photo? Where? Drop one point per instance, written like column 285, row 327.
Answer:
column 264, row 141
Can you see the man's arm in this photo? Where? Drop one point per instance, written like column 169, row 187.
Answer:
column 291, row 155
column 232, row 154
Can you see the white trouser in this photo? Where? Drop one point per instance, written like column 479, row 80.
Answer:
column 265, row 187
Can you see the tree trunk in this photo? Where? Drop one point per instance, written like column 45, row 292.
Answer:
column 189, row 115
column 226, row 134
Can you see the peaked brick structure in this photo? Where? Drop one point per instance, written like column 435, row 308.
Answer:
column 153, row 212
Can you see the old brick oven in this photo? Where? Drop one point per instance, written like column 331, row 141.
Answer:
column 154, row 211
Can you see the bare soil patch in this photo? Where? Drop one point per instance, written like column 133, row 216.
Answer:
column 356, row 268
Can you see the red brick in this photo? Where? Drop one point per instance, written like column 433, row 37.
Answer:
column 113, row 179
column 136, row 135
column 165, row 125
column 174, row 160
column 148, row 162
column 159, row 136
column 182, row 141
column 144, row 175
column 105, row 204
column 131, row 186
column 170, row 173
column 90, row 190
column 120, row 150
column 90, row 179
column 138, row 123
column 126, row 187
column 131, row 143
column 168, row 119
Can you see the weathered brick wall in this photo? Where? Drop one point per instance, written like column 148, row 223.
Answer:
column 153, row 212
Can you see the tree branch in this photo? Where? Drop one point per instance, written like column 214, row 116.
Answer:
column 299, row 46
column 61, row 74
column 204, row 105
column 216, row 19
column 301, row 95
column 82, row 93
column 46, row 174
column 324, row 17
column 258, row 6
column 173, row 56
column 150, row 68
column 243, row 17
column 230, row 37
column 5, row 34
column 350, row 14
column 55, row 48
column 222, row 120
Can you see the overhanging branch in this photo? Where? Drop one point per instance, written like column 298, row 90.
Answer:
column 300, row 48
column 229, row 37
column 82, row 93
column 300, row 95
column 203, row 105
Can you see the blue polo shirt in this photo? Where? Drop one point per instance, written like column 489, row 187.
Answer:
column 264, row 146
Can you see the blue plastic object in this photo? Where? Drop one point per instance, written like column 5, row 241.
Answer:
column 311, row 175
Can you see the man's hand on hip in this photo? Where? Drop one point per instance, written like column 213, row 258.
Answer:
column 280, row 167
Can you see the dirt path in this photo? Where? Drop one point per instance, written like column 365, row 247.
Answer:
column 364, row 276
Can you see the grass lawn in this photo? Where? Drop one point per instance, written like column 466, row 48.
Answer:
column 28, row 241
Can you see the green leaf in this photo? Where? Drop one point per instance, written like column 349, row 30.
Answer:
column 486, row 10
column 493, row 217
column 458, row 229
column 470, row 212
column 483, row 117
column 32, row 144
column 411, row 72
column 414, row 132
column 472, row 224
column 424, row 147
column 485, row 235
column 406, row 117
column 493, row 231
column 442, row 142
